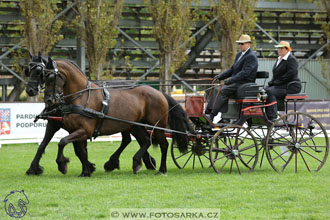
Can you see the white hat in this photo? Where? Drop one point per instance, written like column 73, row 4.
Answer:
column 244, row 38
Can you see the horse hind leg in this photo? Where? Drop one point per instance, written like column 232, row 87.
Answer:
column 113, row 162
column 161, row 138
column 148, row 160
column 143, row 139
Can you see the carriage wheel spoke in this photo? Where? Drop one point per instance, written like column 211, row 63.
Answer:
column 305, row 130
column 187, row 161
column 223, row 165
column 280, row 155
column 183, row 154
column 309, row 138
column 246, row 164
column 215, row 159
column 246, row 148
column 287, row 162
column 239, row 171
column 194, row 161
column 200, row 161
column 311, row 155
column 231, row 166
column 304, row 161
column 296, row 161
column 262, row 155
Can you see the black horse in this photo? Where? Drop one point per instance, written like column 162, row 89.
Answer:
column 33, row 87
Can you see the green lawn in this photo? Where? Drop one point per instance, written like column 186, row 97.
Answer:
column 262, row 194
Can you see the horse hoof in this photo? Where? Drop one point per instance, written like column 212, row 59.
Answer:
column 160, row 174
column 110, row 166
column 63, row 169
column 137, row 169
column 84, row 175
column 150, row 163
column 34, row 171
column 92, row 167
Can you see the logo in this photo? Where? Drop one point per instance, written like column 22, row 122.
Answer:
column 15, row 204
column 4, row 121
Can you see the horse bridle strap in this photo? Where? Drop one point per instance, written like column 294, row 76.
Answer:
column 105, row 107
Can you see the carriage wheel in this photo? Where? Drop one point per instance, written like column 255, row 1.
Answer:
column 298, row 138
column 234, row 148
column 195, row 156
column 259, row 132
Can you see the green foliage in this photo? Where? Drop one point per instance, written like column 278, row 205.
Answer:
column 40, row 33
column 171, row 28
column 98, row 20
column 235, row 17
column 325, row 64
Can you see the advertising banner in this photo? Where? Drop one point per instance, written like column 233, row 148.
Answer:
column 17, row 121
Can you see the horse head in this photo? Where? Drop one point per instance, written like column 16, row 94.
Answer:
column 54, row 83
column 35, row 73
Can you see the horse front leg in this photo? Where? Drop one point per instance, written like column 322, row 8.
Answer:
column 61, row 160
column 51, row 128
column 113, row 162
column 80, row 148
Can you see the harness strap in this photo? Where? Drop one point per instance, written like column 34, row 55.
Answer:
column 89, row 85
column 91, row 113
column 105, row 107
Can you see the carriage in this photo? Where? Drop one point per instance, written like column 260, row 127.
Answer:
column 295, row 140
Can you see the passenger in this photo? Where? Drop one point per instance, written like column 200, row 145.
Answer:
column 285, row 78
column 244, row 70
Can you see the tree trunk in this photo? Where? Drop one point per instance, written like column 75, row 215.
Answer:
column 166, row 76
column 99, row 70
column 227, row 51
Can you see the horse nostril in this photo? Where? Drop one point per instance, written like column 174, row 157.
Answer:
column 30, row 92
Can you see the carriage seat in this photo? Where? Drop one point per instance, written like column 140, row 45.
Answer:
column 283, row 104
column 249, row 90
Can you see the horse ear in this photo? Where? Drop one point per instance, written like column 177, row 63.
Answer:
column 50, row 63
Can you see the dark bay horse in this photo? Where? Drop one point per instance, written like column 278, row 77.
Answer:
column 139, row 104
column 33, row 87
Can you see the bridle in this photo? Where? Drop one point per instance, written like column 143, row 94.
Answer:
column 57, row 94
column 36, row 83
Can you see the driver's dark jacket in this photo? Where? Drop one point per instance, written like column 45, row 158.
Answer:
column 244, row 70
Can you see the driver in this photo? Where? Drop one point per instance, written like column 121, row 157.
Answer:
column 244, row 70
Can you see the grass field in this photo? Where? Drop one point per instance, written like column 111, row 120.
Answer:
column 262, row 194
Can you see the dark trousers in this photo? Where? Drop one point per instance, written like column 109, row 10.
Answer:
column 221, row 104
column 278, row 92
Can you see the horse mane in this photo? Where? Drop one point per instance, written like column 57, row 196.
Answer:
column 72, row 62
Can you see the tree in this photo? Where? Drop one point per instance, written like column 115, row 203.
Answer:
column 234, row 17
column 325, row 64
column 40, row 32
column 98, row 20
column 171, row 28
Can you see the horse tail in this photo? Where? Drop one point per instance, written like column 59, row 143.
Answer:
column 178, row 120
